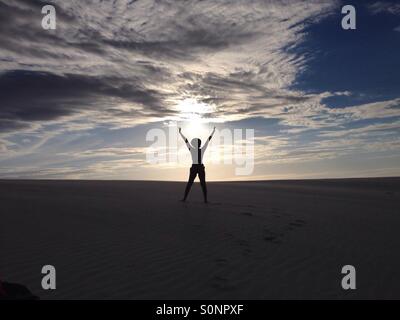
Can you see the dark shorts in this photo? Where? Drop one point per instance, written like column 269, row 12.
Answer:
column 197, row 169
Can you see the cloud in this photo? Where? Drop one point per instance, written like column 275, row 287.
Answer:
column 380, row 128
column 29, row 96
column 384, row 7
column 375, row 110
column 105, row 55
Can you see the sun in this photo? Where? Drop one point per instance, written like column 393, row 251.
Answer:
column 192, row 106
column 191, row 114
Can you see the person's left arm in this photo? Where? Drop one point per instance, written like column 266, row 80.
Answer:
column 208, row 140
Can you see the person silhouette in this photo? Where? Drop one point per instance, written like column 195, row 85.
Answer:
column 197, row 168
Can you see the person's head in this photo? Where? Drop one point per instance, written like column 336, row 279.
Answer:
column 196, row 143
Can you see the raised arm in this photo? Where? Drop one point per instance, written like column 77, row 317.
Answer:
column 208, row 140
column 184, row 138
column 211, row 135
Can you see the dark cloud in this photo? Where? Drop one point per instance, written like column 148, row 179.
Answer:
column 41, row 96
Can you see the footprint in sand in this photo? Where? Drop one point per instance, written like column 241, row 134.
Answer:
column 270, row 236
column 248, row 214
column 277, row 213
column 245, row 247
column 297, row 223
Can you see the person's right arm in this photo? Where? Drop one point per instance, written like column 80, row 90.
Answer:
column 184, row 138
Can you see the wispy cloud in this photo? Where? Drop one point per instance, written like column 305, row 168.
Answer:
column 138, row 59
column 385, row 7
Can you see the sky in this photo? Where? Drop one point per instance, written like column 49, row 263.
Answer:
column 78, row 102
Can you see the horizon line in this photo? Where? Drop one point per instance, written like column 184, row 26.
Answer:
column 210, row 181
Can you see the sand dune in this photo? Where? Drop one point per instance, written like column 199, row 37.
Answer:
column 255, row 240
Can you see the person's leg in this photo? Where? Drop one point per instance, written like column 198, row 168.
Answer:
column 202, row 177
column 189, row 184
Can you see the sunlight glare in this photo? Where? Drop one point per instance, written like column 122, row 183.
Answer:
column 191, row 112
